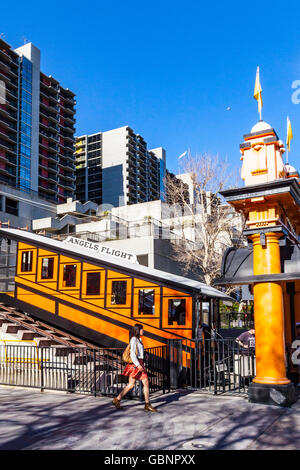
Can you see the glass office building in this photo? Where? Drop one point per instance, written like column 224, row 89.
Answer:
column 37, row 118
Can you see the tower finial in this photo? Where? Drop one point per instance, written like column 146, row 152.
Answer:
column 257, row 93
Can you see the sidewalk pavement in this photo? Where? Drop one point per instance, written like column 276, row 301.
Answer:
column 186, row 420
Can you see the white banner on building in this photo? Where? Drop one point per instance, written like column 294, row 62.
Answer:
column 99, row 249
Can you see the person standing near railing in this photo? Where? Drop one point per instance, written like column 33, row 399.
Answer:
column 136, row 370
column 247, row 340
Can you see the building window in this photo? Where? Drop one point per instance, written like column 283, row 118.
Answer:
column 26, row 265
column 146, row 302
column 176, row 311
column 118, row 292
column 11, row 206
column 47, row 268
column 206, row 312
column 69, row 279
column 93, row 283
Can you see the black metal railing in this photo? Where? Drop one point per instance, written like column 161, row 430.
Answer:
column 77, row 370
column 236, row 320
column 213, row 365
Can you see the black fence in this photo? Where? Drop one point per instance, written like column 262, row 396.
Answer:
column 243, row 320
column 78, row 370
column 216, row 366
column 211, row 365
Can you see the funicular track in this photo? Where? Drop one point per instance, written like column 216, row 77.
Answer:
column 55, row 359
column 26, row 327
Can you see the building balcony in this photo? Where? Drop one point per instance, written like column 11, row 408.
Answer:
column 12, row 105
column 50, row 89
column 48, row 196
column 48, row 136
column 69, row 119
column 67, row 185
column 53, row 168
column 11, row 93
column 44, row 113
column 13, row 82
column 49, row 96
column 69, row 177
column 9, row 160
column 50, row 188
column 9, row 171
column 49, row 107
column 49, row 148
column 78, row 155
column 52, row 178
column 131, row 148
column 68, row 95
column 68, row 128
column 7, row 124
column 8, row 147
column 67, row 157
column 8, row 137
column 131, row 184
column 7, row 114
column 67, row 109
column 142, row 154
column 50, row 127
column 52, row 157
column 142, row 179
column 68, row 149
column 68, row 137
column 8, row 55
column 131, row 162
column 66, row 165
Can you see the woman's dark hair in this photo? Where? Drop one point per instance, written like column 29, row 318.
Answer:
column 135, row 332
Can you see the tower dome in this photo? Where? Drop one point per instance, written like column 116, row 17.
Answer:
column 260, row 126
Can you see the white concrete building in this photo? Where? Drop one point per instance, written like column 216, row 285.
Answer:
column 147, row 230
column 19, row 208
column 115, row 168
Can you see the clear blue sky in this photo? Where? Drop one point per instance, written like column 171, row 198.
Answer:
column 169, row 69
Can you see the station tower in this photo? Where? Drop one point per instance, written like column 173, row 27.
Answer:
column 270, row 203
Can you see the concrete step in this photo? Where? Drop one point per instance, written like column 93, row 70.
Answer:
column 9, row 327
column 44, row 342
column 25, row 335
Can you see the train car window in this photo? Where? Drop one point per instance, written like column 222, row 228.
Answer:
column 47, row 268
column 146, row 302
column 69, row 279
column 93, row 283
column 26, row 264
column 176, row 311
column 118, row 292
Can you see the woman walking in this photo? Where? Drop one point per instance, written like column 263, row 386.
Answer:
column 136, row 370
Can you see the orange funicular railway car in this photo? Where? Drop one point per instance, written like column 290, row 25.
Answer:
column 73, row 285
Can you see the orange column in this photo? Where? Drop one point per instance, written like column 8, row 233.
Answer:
column 268, row 313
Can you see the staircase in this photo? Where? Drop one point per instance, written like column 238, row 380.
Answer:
column 25, row 328
column 68, row 363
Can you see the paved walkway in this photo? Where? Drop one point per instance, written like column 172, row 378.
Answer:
column 186, row 421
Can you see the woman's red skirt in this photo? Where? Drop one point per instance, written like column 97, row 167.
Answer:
column 132, row 371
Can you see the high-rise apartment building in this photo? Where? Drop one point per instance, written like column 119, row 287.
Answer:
column 116, row 168
column 36, row 126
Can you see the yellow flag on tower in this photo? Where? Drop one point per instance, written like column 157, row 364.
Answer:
column 289, row 134
column 257, row 92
